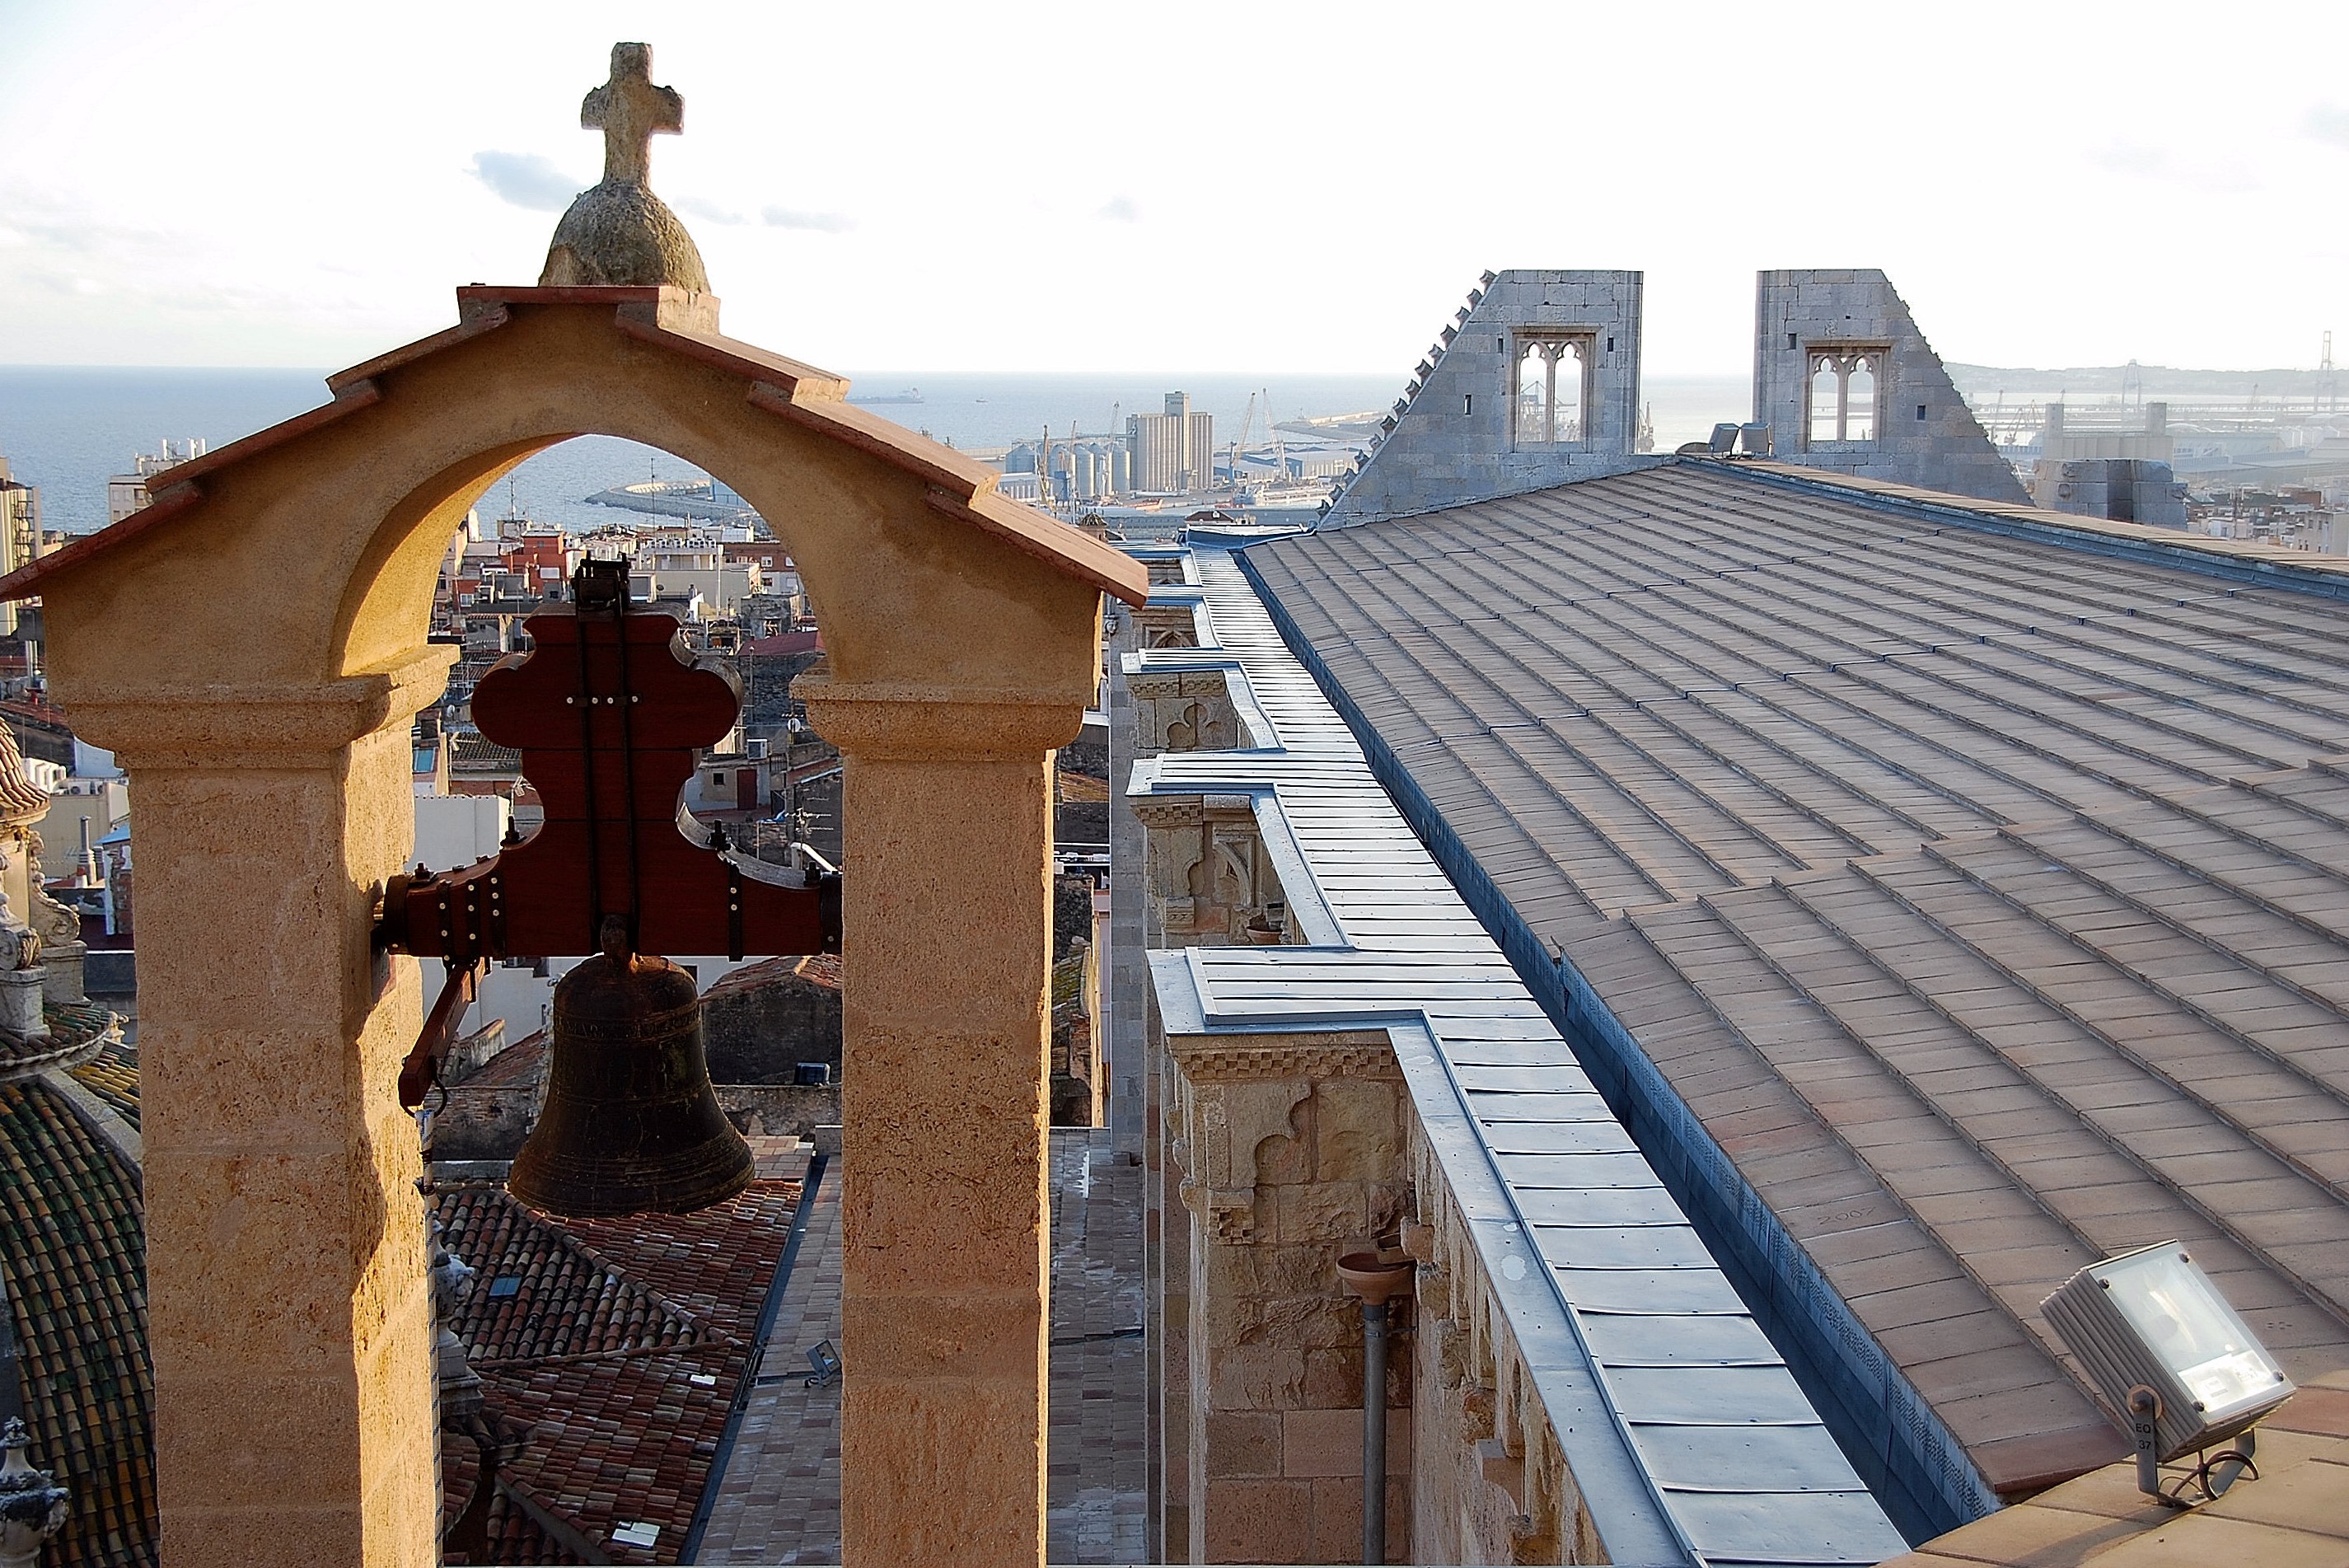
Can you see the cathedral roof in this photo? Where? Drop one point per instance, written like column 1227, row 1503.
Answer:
column 1970, row 877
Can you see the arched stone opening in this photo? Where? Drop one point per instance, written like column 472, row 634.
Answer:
column 252, row 646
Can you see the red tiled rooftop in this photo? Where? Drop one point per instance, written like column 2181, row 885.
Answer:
column 595, row 1356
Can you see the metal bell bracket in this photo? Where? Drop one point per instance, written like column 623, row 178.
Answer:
column 608, row 710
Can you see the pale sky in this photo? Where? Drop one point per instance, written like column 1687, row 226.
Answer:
column 1186, row 184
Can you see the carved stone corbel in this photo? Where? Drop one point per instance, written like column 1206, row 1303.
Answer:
column 1209, row 879
column 1223, row 1124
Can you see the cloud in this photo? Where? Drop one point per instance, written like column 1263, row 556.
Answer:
column 527, row 180
column 2328, row 123
column 1120, row 210
column 822, row 222
column 2134, row 158
column 695, row 207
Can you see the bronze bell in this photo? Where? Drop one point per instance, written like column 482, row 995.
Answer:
column 630, row 1122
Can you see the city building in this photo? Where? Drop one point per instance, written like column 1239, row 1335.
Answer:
column 20, row 532
column 1172, row 453
column 128, row 492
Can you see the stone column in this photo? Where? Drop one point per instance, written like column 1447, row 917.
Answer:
column 947, row 814
column 289, row 1315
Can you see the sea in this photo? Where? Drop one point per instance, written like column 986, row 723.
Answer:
column 66, row 429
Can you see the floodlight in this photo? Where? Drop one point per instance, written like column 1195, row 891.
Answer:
column 2169, row 1354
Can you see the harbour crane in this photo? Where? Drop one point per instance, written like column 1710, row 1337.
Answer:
column 1247, row 424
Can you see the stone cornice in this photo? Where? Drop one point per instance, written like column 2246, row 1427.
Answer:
column 1239, row 1058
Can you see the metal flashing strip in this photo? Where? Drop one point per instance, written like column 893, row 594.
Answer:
column 1710, row 1451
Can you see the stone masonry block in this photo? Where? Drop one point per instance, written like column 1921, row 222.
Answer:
column 1357, row 1130
column 1244, row 1443
column 1337, row 1518
column 1295, row 1270
column 1330, row 1442
column 1255, row 1377
column 1259, row 1522
column 1324, row 1211
column 1322, row 1442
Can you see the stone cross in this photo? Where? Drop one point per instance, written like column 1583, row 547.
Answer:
column 630, row 111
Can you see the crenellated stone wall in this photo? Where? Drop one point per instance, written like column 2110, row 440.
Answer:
column 1211, row 882
column 1289, row 1151
column 1167, row 625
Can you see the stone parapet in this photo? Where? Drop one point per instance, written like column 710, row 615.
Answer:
column 1490, row 1463
column 1291, row 1153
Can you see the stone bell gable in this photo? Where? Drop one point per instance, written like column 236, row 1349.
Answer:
column 252, row 646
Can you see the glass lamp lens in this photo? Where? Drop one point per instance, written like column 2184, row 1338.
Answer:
column 2190, row 1329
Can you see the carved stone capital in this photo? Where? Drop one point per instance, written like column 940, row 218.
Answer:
column 275, row 726
column 899, row 720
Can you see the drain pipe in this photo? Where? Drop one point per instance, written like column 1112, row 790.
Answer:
column 1365, row 1274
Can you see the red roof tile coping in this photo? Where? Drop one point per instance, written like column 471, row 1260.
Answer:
column 685, row 325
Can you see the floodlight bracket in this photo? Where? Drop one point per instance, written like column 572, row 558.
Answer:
column 2145, row 1430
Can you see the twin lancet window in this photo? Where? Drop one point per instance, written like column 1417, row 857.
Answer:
column 1549, row 388
column 1846, row 384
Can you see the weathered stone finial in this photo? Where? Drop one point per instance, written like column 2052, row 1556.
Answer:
column 33, row 1506
column 619, row 232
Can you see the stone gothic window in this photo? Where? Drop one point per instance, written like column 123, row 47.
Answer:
column 1844, row 386
column 1550, row 386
